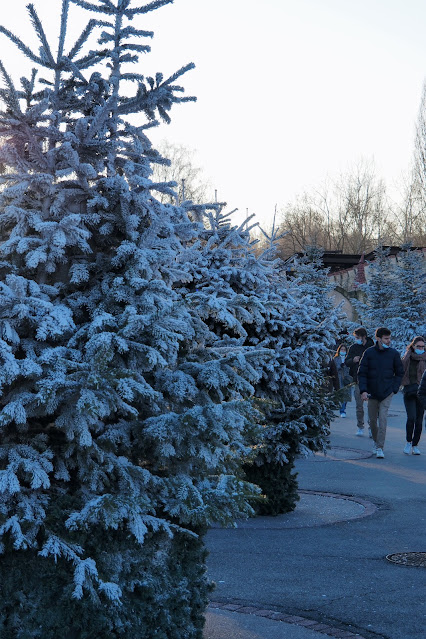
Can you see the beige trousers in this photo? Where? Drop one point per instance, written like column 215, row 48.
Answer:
column 359, row 408
column 379, row 410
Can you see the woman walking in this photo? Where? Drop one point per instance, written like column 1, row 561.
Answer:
column 414, row 363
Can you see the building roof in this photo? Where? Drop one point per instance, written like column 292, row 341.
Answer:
column 339, row 261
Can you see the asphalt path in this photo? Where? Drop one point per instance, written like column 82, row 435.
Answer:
column 333, row 570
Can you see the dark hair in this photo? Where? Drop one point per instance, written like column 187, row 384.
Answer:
column 412, row 344
column 381, row 332
column 360, row 332
column 342, row 345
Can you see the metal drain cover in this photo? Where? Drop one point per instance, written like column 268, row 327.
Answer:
column 408, row 558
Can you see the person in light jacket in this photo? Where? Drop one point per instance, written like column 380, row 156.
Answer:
column 379, row 377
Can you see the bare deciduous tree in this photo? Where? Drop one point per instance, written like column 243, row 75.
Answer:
column 419, row 165
column 362, row 209
column 411, row 213
column 190, row 181
column 351, row 214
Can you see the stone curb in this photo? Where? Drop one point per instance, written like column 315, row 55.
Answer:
column 295, row 620
column 358, row 453
column 369, row 507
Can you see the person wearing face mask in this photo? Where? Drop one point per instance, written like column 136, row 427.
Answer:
column 355, row 352
column 343, row 376
column 414, row 363
column 379, row 377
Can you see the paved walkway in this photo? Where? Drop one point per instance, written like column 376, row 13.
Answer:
column 322, row 570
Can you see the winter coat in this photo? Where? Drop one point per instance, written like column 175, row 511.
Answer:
column 380, row 372
column 343, row 377
column 332, row 376
column 421, row 393
column 419, row 361
column 356, row 350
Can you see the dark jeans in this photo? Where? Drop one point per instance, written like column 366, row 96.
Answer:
column 414, row 424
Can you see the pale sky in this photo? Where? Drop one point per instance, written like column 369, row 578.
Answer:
column 289, row 91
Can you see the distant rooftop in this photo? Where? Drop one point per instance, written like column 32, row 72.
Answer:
column 339, row 261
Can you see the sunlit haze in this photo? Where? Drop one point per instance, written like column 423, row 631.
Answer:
column 289, row 91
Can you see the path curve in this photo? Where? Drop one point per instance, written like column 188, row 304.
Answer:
column 296, row 620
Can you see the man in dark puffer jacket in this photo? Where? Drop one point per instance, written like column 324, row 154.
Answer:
column 379, row 377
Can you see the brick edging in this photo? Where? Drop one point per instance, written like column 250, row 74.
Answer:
column 295, row 620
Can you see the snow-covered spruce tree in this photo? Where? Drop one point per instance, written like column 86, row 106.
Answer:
column 407, row 307
column 395, row 295
column 122, row 427
column 294, row 321
column 378, row 291
column 298, row 383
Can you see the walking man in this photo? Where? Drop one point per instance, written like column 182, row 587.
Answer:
column 379, row 377
column 355, row 352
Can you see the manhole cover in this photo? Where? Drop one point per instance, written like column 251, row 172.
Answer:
column 408, row 558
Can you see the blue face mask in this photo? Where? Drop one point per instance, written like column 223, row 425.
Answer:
column 358, row 341
column 419, row 351
column 385, row 345
column 343, row 356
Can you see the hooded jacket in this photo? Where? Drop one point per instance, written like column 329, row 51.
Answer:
column 380, row 372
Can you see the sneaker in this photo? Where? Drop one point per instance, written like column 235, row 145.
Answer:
column 359, row 432
column 407, row 448
column 380, row 454
column 370, row 434
column 416, row 451
column 374, row 448
column 342, row 414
